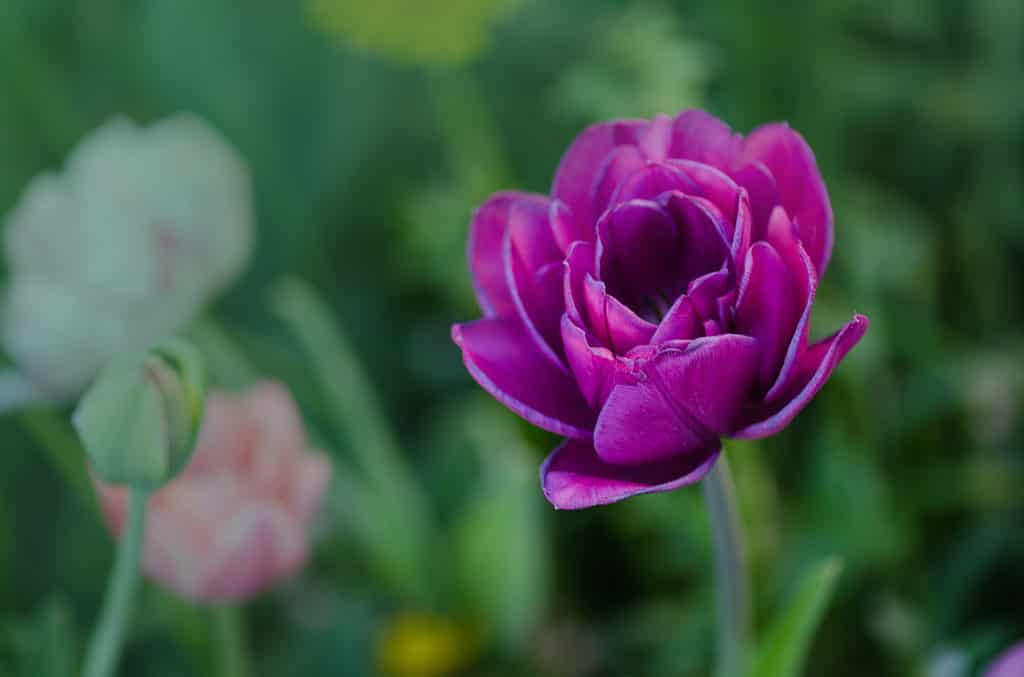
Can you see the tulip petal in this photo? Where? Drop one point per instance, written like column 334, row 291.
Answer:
column 652, row 181
column 813, row 369
column 781, row 234
column 767, row 308
column 759, row 183
column 486, row 235
column 611, row 321
column 801, row 189
column 503, row 358
column 566, row 228
column 593, row 366
column 703, row 230
column 639, row 252
column 680, row 322
column 578, row 265
column 656, row 140
column 618, row 166
column 574, row 477
column 684, row 398
column 577, row 172
column 700, row 136
column 705, row 291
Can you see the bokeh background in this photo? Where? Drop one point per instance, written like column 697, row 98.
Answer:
column 372, row 127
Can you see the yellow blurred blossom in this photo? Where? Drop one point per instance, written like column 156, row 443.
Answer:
column 424, row 645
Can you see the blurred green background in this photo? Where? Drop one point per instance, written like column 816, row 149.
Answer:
column 372, row 127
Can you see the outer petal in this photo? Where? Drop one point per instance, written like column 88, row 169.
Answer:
column 801, row 188
column 486, row 234
column 652, row 181
column 579, row 166
column 573, row 476
column 781, row 234
column 594, row 367
column 813, row 369
column 504, row 360
column 684, row 398
column 767, row 309
column 700, row 136
column 578, row 265
column 618, row 166
column 764, row 195
column 567, row 228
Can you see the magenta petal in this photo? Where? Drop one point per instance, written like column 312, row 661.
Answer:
column 653, row 180
column 764, row 195
column 705, row 291
column 566, row 228
column 680, row 322
column 486, row 234
column 702, row 228
column 767, row 308
column 1009, row 664
column 578, row 264
column 684, row 398
column 640, row 250
column 579, row 166
column 502, row 357
column 529, row 230
column 801, row 189
column 781, row 235
column 573, row 477
column 657, row 139
column 618, row 166
column 813, row 369
column 702, row 137
column 614, row 324
column 713, row 184
column 539, row 300
column 593, row 366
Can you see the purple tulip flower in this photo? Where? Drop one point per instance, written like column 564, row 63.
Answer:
column 1009, row 664
column 659, row 299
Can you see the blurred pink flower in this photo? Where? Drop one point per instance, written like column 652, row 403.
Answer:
column 1008, row 664
column 237, row 519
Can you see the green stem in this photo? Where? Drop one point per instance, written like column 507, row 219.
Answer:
column 232, row 648
column 732, row 575
column 105, row 647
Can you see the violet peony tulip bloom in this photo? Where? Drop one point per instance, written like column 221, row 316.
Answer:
column 1009, row 664
column 658, row 300
column 236, row 520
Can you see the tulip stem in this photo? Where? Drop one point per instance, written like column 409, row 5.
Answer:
column 231, row 645
column 732, row 575
column 104, row 649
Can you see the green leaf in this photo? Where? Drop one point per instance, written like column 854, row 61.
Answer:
column 392, row 514
column 787, row 641
column 42, row 645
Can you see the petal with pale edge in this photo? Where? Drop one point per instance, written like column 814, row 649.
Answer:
column 486, row 235
column 502, row 357
column 812, row 370
column 685, row 396
column 573, row 477
column 700, row 136
column 801, row 189
column 578, row 169
column 768, row 308
column 593, row 366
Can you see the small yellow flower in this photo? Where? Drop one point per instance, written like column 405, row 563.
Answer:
column 433, row 32
column 423, row 645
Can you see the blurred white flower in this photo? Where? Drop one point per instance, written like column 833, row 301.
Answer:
column 142, row 227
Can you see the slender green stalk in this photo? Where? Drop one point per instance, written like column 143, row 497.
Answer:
column 104, row 648
column 732, row 575
column 231, row 645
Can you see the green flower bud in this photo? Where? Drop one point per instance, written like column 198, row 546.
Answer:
column 140, row 419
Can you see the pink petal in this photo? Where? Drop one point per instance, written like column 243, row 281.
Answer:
column 574, row 477
column 618, row 166
column 566, row 228
column 486, row 235
column 611, row 321
column 502, row 357
column 594, row 366
column 702, row 137
column 680, row 322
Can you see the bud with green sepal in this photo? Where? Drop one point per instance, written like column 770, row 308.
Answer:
column 139, row 420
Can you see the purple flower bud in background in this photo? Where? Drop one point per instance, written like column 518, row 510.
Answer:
column 658, row 300
column 1009, row 664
